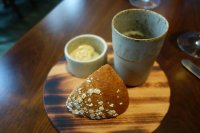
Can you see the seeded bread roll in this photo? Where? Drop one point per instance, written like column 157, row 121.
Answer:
column 102, row 95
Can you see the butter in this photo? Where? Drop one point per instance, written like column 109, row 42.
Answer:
column 84, row 52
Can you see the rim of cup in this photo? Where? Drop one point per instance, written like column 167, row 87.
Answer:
column 89, row 36
column 143, row 10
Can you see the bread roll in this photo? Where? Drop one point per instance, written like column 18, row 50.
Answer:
column 102, row 95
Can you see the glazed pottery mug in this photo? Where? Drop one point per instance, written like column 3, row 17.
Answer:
column 137, row 38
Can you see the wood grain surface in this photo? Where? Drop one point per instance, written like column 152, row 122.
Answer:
column 148, row 103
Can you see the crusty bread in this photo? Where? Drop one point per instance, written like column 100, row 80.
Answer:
column 102, row 95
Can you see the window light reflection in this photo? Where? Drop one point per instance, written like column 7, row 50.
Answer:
column 69, row 12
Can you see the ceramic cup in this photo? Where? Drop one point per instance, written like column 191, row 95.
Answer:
column 83, row 69
column 137, row 38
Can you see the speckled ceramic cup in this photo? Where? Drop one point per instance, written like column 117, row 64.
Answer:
column 137, row 38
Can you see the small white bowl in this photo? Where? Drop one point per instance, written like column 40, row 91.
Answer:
column 83, row 69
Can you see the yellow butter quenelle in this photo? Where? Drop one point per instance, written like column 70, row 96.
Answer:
column 84, row 52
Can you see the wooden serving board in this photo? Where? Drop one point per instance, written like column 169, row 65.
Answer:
column 148, row 103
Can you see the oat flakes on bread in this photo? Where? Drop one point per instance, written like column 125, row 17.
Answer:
column 102, row 95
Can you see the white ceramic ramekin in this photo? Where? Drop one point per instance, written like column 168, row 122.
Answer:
column 84, row 68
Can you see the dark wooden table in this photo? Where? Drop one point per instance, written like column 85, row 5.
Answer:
column 24, row 68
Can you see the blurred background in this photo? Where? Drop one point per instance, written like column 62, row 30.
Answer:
column 18, row 16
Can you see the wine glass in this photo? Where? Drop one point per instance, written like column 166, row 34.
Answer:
column 146, row 4
column 189, row 42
